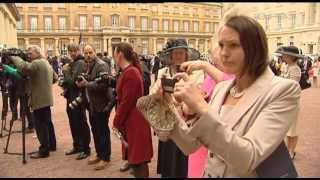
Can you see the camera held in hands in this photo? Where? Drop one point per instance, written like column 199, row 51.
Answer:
column 76, row 102
column 169, row 83
column 81, row 77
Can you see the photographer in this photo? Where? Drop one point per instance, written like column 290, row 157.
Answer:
column 41, row 80
column 76, row 110
column 98, row 100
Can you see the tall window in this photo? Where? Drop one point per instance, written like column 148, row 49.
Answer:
column 279, row 24
column 33, row 23
column 291, row 43
column 145, row 47
column 20, row 24
column 207, row 12
column 302, row 18
column 279, row 42
column 155, row 25
column 83, row 22
column 144, row 23
column 176, row 26
column 176, row 10
column 62, row 24
column 97, row 45
column 186, row 26
column 266, row 21
column 132, row 21
column 293, row 20
column 115, row 20
column 186, row 11
column 96, row 22
column 165, row 25
column 195, row 26
column 48, row 24
column 207, row 27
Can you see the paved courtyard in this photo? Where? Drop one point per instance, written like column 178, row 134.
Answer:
column 58, row 165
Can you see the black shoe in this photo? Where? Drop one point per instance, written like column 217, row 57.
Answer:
column 125, row 167
column 38, row 155
column 72, row 151
column 53, row 149
column 83, row 155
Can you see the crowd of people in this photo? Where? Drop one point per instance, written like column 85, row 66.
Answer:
column 234, row 107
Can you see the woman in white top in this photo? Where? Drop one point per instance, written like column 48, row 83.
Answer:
column 290, row 55
column 247, row 117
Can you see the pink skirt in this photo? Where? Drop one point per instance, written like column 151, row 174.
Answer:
column 197, row 162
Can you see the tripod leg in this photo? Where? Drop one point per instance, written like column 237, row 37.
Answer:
column 23, row 140
column 2, row 126
column 8, row 139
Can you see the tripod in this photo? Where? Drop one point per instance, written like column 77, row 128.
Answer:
column 23, row 112
column 23, row 140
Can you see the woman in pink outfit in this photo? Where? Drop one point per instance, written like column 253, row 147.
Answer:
column 214, row 75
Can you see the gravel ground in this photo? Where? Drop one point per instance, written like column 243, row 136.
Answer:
column 58, row 165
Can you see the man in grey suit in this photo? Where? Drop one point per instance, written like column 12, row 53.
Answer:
column 98, row 100
column 42, row 77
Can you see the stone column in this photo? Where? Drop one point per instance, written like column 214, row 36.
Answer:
column 165, row 41
column 26, row 40
column 205, row 45
column 105, row 44
column 317, row 13
column 42, row 46
column 71, row 40
column 56, row 44
column 2, row 35
column 110, row 47
column 154, row 45
column 197, row 44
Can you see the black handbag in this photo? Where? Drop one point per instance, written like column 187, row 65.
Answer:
column 278, row 165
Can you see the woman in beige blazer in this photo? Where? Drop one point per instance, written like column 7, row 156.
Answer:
column 248, row 117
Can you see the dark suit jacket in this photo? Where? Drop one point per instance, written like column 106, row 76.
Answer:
column 99, row 93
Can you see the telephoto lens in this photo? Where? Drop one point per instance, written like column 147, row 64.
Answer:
column 75, row 103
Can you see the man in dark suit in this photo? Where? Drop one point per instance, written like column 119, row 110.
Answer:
column 76, row 112
column 98, row 100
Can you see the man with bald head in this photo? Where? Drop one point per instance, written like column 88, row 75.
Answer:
column 98, row 100
column 42, row 77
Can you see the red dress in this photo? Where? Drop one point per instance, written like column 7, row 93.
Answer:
column 129, row 120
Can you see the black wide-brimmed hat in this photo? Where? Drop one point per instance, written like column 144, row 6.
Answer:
column 172, row 44
column 290, row 50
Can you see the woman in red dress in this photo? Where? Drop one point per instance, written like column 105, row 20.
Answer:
column 128, row 120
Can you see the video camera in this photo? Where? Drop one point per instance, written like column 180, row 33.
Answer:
column 6, row 53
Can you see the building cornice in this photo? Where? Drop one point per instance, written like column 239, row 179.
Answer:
column 14, row 10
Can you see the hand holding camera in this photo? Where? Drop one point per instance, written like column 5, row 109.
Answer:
column 190, row 93
column 81, row 80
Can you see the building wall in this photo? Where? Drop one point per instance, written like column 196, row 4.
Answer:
column 8, row 18
column 303, row 32
column 107, row 35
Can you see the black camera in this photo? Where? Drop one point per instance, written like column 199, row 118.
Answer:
column 168, row 84
column 6, row 53
column 81, row 77
column 104, row 77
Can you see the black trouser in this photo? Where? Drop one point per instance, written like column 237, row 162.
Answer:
column 24, row 108
column 80, row 131
column 101, row 134
column 13, row 103
column 44, row 130
column 5, row 99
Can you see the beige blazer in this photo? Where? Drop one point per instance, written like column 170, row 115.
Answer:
column 247, row 135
